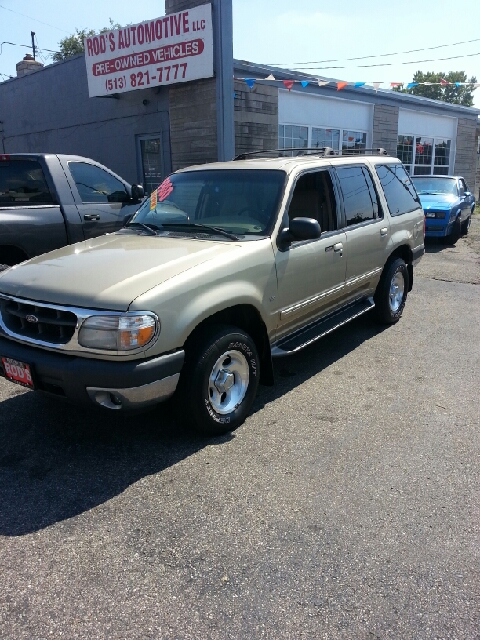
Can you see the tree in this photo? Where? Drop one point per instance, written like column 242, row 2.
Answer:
column 447, row 92
column 72, row 45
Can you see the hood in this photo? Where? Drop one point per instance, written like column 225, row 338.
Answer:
column 108, row 272
column 437, row 201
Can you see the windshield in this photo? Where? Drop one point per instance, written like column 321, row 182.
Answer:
column 435, row 185
column 238, row 201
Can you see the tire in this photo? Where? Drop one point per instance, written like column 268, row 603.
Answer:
column 455, row 234
column 220, row 380
column 466, row 225
column 391, row 293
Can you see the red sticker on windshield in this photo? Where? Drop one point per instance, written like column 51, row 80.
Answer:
column 165, row 189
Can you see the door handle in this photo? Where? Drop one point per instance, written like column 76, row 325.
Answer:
column 338, row 248
column 91, row 216
column 383, row 231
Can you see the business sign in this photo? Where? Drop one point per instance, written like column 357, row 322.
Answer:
column 167, row 50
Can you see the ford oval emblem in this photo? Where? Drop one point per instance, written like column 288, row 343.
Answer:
column 32, row 319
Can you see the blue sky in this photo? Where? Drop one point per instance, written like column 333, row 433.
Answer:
column 287, row 33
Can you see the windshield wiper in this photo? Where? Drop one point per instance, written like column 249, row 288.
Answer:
column 151, row 228
column 205, row 227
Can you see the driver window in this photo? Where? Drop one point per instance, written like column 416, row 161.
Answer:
column 313, row 197
column 96, row 185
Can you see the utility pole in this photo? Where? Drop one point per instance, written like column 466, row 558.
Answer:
column 34, row 48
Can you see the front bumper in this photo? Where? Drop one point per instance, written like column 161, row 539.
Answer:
column 115, row 385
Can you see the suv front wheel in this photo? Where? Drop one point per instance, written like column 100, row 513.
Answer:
column 391, row 292
column 220, row 380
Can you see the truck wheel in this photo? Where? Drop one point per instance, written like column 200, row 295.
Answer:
column 220, row 380
column 391, row 292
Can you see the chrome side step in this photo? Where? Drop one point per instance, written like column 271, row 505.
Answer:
column 316, row 330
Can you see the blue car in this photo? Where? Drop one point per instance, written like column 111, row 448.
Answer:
column 448, row 205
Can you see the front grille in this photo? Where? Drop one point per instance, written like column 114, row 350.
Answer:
column 47, row 324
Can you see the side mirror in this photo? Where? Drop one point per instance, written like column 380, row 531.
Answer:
column 299, row 229
column 467, row 194
column 137, row 191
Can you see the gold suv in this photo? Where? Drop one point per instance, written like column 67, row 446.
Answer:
column 224, row 267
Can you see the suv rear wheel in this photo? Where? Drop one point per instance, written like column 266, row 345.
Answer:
column 220, row 380
column 391, row 292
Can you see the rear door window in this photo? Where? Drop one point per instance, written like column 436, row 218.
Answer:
column 398, row 189
column 23, row 182
column 359, row 195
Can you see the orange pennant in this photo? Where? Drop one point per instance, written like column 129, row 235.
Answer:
column 341, row 85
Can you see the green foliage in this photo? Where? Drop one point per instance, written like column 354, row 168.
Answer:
column 448, row 93
column 72, row 45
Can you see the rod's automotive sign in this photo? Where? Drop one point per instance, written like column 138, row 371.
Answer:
column 174, row 48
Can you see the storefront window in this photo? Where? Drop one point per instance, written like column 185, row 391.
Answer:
column 326, row 138
column 292, row 137
column 405, row 150
column 442, row 157
column 354, row 140
column 424, row 156
column 295, row 136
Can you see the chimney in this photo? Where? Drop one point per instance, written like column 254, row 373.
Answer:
column 28, row 65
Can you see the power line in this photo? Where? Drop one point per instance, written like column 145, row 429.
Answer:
column 34, row 19
column 386, row 64
column 28, row 46
column 380, row 55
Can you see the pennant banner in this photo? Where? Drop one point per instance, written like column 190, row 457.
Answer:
column 340, row 85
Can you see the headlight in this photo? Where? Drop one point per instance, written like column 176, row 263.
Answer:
column 118, row 333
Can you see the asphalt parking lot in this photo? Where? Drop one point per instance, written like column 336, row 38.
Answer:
column 347, row 505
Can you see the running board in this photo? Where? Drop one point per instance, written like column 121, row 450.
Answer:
column 316, row 330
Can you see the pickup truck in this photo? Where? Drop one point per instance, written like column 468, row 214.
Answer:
column 48, row 201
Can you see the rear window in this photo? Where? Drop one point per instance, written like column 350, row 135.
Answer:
column 398, row 189
column 23, row 182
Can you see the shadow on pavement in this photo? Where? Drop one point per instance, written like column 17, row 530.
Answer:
column 59, row 460
column 437, row 245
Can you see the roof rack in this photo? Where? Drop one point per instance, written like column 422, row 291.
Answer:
column 302, row 151
column 379, row 151
column 313, row 151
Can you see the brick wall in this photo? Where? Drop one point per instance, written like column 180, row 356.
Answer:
column 466, row 154
column 193, row 113
column 385, row 128
column 193, row 123
column 256, row 117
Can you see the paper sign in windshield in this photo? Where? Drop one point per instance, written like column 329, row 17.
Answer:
column 165, row 189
